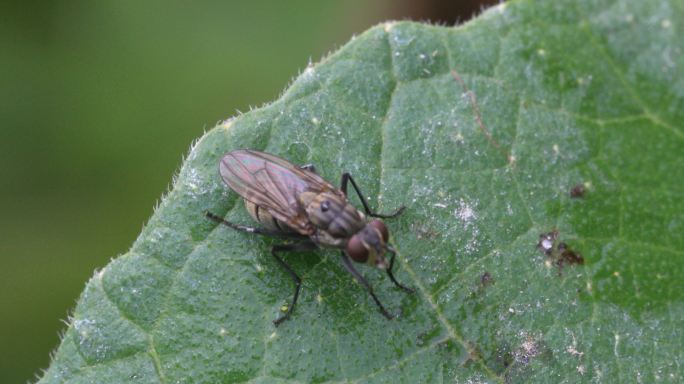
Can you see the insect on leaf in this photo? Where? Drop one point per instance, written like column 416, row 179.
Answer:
column 482, row 130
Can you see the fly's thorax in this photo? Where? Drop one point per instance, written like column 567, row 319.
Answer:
column 368, row 245
column 331, row 213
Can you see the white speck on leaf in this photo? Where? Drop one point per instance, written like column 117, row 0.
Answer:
column 84, row 326
column 528, row 349
column 572, row 349
column 465, row 212
column 511, row 160
column 195, row 183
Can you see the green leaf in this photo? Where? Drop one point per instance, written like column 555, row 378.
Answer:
column 482, row 130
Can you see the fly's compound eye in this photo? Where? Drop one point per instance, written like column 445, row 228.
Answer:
column 356, row 250
column 380, row 226
column 325, row 205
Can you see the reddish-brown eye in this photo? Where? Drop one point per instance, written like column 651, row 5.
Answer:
column 380, row 226
column 356, row 250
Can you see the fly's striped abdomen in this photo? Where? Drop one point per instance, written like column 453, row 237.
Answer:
column 264, row 218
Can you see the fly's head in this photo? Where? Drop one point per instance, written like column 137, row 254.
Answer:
column 369, row 244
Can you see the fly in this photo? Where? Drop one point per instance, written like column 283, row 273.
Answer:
column 296, row 203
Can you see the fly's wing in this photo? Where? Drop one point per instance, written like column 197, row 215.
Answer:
column 315, row 181
column 273, row 184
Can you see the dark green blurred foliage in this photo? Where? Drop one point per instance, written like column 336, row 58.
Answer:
column 99, row 100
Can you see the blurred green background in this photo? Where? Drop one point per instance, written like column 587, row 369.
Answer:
column 99, row 101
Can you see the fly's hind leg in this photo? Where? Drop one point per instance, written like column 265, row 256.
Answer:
column 257, row 231
column 302, row 246
column 297, row 280
column 346, row 177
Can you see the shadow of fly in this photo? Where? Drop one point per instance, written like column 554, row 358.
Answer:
column 295, row 203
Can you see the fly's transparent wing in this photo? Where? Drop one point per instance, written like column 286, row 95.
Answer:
column 273, row 184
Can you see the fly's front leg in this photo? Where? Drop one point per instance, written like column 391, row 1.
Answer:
column 391, row 275
column 346, row 177
column 359, row 277
column 254, row 230
column 298, row 281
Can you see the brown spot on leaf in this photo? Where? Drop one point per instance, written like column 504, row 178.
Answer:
column 558, row 252
column 486, row 279
column 577, row 191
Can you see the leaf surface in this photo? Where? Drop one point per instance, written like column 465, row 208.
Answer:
column 482, row 131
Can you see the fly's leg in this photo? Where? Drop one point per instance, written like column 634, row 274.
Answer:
column 277, row 248
column 254, row 230
column 391, row 275
column 357, row 275
column 346, row 177
column 298, row 282
column 242, row 228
